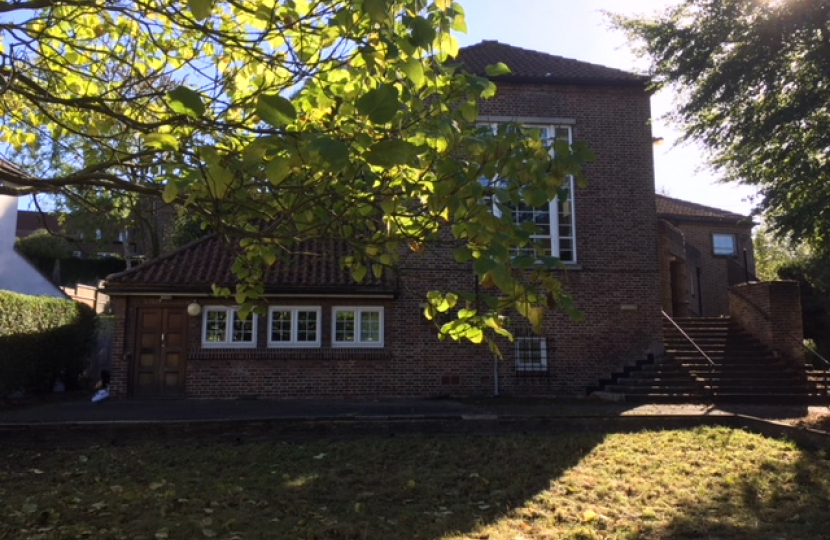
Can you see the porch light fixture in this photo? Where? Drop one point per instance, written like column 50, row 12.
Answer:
column 194, row 309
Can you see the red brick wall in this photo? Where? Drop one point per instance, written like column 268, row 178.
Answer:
column 771, row 311
column 672, row 249
column 616, row 285
column 714, row 275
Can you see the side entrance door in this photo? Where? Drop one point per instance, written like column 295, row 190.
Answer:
column 160, row 353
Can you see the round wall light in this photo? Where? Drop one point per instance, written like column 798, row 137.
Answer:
column 194, row 309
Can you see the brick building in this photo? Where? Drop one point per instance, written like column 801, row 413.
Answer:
column 325, row 336
column 703, row 252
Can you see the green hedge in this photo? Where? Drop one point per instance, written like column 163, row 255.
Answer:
column 42, row 339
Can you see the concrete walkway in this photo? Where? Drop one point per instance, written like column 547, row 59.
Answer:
column 114, row 411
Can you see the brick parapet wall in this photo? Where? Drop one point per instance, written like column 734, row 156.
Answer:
column 771, row 311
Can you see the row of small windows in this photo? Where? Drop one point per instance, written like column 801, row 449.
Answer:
column 293, row 326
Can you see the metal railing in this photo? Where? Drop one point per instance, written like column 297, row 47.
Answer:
column 711, row 387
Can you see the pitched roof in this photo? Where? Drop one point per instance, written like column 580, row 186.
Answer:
column 668, row 207
column 7, row 168
column 313, row 269
column 537, row 67
column 29, row 221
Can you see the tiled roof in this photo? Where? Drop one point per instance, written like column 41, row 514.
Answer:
column 668, row 207
column 538, row 67
column 28, row 221
column 194, row 268
column 9, row 168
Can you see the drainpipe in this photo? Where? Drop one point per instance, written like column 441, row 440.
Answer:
column 495, row 375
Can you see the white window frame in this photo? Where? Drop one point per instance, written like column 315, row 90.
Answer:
column 734, row 250
column 358, row 311
column 295, row 326
column 523, row 366
column 554, row 207
column 228, row 343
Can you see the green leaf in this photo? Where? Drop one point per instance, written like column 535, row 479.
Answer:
column 183, row 100
column 469, row 111
column 463, row 255
column 161, row 141
column 494, row 70
column 359, row 272
column 332, row 152
column 171, row 191
column 482, row 266
column 278, row 170
column 390, row 153
column 423, row 33
column 377, row 10
column 275, row 110
column 379, row 104
column 200, row 8
column 414, row 71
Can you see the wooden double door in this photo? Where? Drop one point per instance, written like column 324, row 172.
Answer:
column 160, row 353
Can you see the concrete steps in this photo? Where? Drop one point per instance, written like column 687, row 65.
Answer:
column 741, row 370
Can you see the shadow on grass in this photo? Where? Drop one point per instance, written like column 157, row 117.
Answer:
column 384, row 488
column 706, row 483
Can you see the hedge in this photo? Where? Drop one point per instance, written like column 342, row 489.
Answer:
column 75, row 270
column 43, row 339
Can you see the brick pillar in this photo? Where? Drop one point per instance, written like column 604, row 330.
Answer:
column 771, row 312
column 119, row 364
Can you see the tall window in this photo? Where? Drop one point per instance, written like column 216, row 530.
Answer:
column 357, row 327
column 294, row 326
column 555, row 220
column 224, row 327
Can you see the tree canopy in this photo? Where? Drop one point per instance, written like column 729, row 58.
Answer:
column 279, row 121
column 753, row 85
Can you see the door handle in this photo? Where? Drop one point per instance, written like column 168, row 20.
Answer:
column 162, row 340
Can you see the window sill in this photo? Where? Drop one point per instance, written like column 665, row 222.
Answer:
column 287, row 354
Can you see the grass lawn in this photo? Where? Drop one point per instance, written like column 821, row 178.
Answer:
column 705, row 483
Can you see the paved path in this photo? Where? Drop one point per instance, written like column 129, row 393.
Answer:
column 134, row 411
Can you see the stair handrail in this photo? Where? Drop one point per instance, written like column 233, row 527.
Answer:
column 696, row 346
column 688, row 338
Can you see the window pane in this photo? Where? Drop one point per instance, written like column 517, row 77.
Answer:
column 280, row 326
column 216, row 326
column 531, row 353
column 307, row 326
column 344, row 326
column 724, row 244
column 370, row 326
column 243, row 330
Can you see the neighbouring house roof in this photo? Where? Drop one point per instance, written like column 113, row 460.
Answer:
column 537, row 67
column 676, row 209
column 314, row 269
column 10, row 169
column 29, row 221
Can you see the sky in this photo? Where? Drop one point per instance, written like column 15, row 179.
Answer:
column 578, row 29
